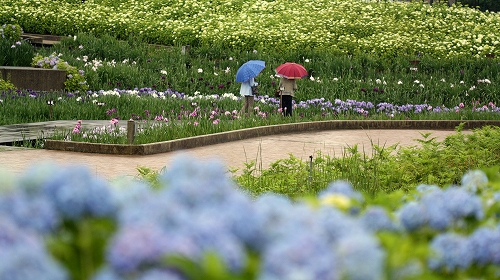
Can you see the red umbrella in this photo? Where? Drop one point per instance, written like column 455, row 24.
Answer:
column 291, row 70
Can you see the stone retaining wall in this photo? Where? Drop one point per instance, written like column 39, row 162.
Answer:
column 38, row 79
column 193, row 142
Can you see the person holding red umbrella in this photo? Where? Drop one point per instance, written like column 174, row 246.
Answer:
column 287, row 88
column 289, row 72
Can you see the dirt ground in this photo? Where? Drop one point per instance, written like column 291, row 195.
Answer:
column 262, row 150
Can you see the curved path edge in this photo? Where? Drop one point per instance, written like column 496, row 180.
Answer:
column 216, row 138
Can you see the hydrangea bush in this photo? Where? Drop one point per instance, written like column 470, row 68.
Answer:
column 75, row 79
column 11, row 32
column 71, row 224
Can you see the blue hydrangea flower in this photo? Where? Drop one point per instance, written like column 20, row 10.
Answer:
column 485, row 243
column 30, row 212
column 11, row 234
column 299, row 255
column 274, row 212
column 451, row 252
column 360, row 257
column 344, row 188
column 195, row 183
column 209, row 233
column 142, row 246
column 438, row 214
column 21, row 262
column 376, row 218
column 242, row 219
column 337, row 225
column 474, row 180
column 413, row 216
column 76, row 193
column 160, row 274
column 462, row 204
column 154, row 207
column 23, row 255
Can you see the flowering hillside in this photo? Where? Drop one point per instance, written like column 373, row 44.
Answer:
column 339, row 26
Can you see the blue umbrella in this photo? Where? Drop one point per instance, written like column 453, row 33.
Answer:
column 249, row 69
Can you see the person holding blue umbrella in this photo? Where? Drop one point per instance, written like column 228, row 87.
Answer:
column 246, row 76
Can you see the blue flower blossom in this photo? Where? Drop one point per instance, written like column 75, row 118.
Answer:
column 450, row 252
column 30, row 212
column 23, row 255
column 485, row 243
column 376, row 218
column 337, row 225
column 195, row 183
column 160, row 274
column 136, row 247
column 299, row 255
column 413, row 216
column 462, row 204
column 438, row 214
column 210, row 234
column 76, row 193
column 360, row 257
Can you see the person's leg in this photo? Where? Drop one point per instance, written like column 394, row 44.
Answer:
column 250, row 104
column 287, row 105
column 242, row 111
column 245, row 105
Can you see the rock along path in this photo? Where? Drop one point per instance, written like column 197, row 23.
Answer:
column 262, row 150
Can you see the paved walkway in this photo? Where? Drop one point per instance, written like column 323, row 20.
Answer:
column 262, row 150
column 25, row 131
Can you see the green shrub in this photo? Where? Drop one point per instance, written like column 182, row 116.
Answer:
column 6, row 84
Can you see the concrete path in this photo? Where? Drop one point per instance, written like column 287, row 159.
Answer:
column 262, row 150
column 19, row 132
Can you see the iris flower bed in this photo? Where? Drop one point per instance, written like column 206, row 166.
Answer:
column 62, row 222
column 169, row 115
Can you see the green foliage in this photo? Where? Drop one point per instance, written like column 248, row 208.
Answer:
column 150, row 176
column 212, row 267
column 80, row 246
column 387, row 170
